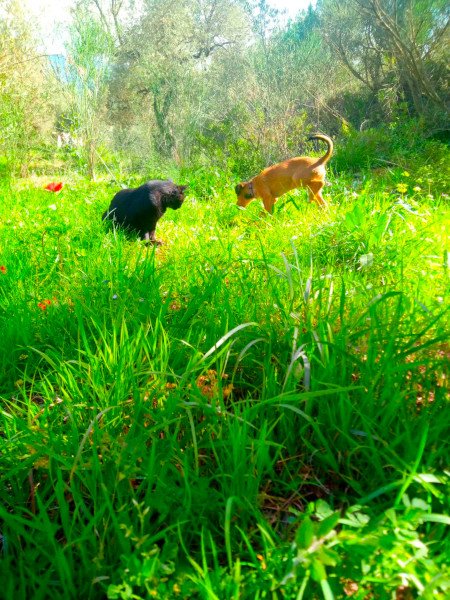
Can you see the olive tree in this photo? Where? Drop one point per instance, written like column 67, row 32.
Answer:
column 89, row 53
column 394, row 47
column 26, row 109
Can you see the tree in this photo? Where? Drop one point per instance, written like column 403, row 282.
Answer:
column 26, row 111
column 88, row 69
column 165, row 59
column 392, row 45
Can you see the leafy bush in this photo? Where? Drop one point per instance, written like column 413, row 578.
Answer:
column 359, row 150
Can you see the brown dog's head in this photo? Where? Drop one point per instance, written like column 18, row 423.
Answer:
column 245, row 193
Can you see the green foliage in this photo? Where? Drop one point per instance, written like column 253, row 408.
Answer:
column 225, row 83
column 359, row 150
column 87, row 66
column 25, row 100
column 361, row 554
column 4, row 168
column 387, row 47
column 399, row 147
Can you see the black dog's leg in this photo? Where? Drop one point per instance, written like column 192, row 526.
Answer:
column 149, row 238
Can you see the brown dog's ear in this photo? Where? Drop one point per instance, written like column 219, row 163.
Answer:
column 238, row 188
column 182, row 187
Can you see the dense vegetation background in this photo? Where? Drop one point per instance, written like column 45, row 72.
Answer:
column 224, row 83
column 260, row 407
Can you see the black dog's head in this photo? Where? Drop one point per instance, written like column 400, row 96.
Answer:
column 173, row 195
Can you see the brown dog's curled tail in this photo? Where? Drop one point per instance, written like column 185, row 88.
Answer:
column 326, row 157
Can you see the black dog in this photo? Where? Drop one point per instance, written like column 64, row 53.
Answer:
column 140, row 209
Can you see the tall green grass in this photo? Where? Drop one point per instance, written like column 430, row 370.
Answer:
column 257, row 409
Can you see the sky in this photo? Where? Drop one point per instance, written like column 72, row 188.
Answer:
column 292, row 7
column 51, row 17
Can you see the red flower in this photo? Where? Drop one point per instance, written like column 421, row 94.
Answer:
column 54, row 187
column 3, row 269
column 43, row 305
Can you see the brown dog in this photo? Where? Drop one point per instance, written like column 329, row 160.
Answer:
column 275, row 181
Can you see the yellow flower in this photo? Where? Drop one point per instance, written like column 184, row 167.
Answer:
column 402, row 188
column 417, row 188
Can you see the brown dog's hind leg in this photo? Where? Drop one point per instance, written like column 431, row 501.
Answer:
column 315, row 192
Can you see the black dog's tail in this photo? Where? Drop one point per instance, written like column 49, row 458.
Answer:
column 326, row 157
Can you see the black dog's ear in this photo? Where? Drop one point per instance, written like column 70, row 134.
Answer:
column 238, row 188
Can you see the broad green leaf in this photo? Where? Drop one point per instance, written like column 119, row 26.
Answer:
column 305, row 533
column 329, row 557
column 318, row 572
column 328, row 524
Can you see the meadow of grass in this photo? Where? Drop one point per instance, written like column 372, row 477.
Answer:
column 256, row 409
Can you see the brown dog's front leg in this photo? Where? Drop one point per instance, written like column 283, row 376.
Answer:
column 268, row 202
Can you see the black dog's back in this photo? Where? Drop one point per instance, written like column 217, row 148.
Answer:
column 129, row 205
column 139, row 209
